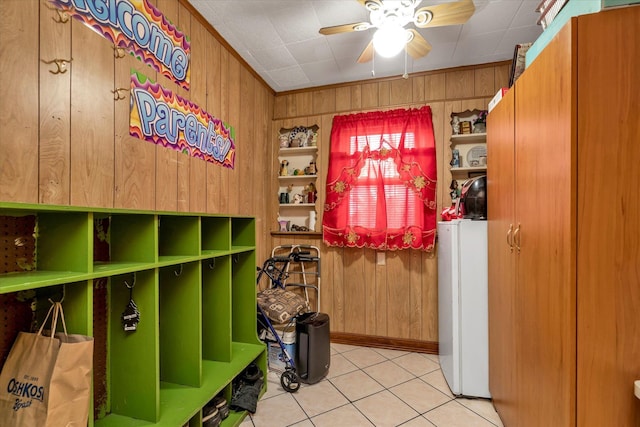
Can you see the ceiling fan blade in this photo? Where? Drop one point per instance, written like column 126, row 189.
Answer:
column 346, row 28
column 371, row 4
column 367, row 53
column 453, row 13
column 418, row 47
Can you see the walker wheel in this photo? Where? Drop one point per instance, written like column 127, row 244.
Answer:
column 289, row 381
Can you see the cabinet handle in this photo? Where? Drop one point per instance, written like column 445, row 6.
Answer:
column 509, row 237
column 516, row 238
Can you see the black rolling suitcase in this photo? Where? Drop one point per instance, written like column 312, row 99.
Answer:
column 313, row 355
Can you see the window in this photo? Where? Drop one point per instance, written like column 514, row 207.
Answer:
column 381, row 183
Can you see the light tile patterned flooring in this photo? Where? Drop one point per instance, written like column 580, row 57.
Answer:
column 373, row 387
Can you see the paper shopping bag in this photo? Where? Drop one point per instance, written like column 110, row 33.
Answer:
column 46, row 381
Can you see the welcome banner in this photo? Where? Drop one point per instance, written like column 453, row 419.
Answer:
column 162, row 117
column 140, row 28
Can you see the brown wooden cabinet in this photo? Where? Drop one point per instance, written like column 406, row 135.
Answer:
column 564, row 291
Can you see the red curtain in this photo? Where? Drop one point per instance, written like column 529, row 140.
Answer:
column 381, row 181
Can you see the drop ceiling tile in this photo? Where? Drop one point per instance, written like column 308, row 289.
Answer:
column 313, row 50
column 289, row 78
column 274, row 58
column 476, row 46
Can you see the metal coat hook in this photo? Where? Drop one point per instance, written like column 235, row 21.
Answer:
column 212, row 264
column 133, row 283
column 61, row 65
column 119, row 52
column 178, row 273
column 117, row 96
column 62, row 15
column 236, row 258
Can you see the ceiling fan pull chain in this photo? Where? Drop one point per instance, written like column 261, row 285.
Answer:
column 405, row 75
column 373, row 64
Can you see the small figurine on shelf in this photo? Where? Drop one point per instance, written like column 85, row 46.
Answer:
column 311, row 192
column 298, row 198
column 283, row 168
column 284, row 140
column 311, row 169
column 455, row 125
column 455, row 158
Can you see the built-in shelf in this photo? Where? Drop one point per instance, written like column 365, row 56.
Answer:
column 469, row 138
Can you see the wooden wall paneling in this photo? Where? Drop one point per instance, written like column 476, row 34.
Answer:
column 214, row 171
column 322, row 163
column 225, row 174
column 473, row 104
column 355, row 291
column 274, row 166
column 198, row 95
column 234, row 118
column 484, row 81
column 92, row 118
column 18, row 111
column 384, row 94
column 246, row 147
column 369, row 95
column 343, row 98
column 416, row 309
column 401, row 91
column 418, row 89
column 335, row 258
column 324, row 101
column 356, row 97
column 429, row 276
column 501, row 75
column 135, row 159
column 292, row 106
column 280, row 107
column 184, row 160
column 381, row 311
column 304, row 103
column 437, row 118
column 459, row 84
column 369, row 279
column 166, row 158
column 434, row 86
column 55, row 110
column 398, row 286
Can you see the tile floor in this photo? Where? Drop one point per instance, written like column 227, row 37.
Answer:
column 373, row 387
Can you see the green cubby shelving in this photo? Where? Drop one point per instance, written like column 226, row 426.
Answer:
column 192, row 278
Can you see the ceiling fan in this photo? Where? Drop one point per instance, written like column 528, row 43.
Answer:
column 390, row 18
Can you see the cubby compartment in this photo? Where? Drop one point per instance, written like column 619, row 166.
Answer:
column 216, row 235
column 216, row 309
column 179, row 239
column 134, row 362
column 180, row 324
column 130, row 243
column 59, row 251
column 243, row 233
column 243, row 298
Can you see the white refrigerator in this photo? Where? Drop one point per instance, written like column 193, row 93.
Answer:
column 463, row 306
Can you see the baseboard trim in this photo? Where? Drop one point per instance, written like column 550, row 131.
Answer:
column 404, row 344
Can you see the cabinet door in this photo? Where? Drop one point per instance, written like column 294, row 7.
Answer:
column 608, row 212
column 502, row 257
column 545, row 214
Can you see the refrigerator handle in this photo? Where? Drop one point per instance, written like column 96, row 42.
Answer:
column 509, row 239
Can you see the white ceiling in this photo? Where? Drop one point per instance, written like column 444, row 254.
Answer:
column 279, row 39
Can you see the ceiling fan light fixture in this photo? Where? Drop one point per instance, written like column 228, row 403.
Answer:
column 389, row 40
